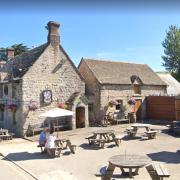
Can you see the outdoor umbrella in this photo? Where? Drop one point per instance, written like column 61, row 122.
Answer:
column 57, row 112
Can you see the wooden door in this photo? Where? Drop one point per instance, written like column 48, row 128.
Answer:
column 80, row 117
column 137, row 109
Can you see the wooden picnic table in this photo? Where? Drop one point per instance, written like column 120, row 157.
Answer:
column 5, row 135
column 129, row 161
column 104, row 134
column 100, row 137
column 65, row 143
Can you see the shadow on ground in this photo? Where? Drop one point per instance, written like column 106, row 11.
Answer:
column 23, row 156
column 171, row 133
column 128, row 138
column 95, row 146
column 165, row 156
column 89, row 147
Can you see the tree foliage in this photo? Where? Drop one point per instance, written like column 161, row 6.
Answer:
column 171, row 46
column 19, row 49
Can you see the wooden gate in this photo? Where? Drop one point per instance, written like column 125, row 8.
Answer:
column 177, row 108
column 161, row 108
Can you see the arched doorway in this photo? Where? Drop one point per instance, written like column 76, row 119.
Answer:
column 80, row 117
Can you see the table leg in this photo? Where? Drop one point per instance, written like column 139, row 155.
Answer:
column 136, row 171
column 105, row 136
column 109, row 172
column 130, row 173
column 147, row 128
column 122, row 170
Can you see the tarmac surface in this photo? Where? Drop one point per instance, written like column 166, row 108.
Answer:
column 87, row 160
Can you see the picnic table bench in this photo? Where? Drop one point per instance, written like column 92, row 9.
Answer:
column 41, row 146
column 119, row 117
column 54, row 152
column 60, row 143
column 32, row 128
column 58, row 127
column 100, row 142
column 151, row 134
column 89, row 138
column 122, row 120
column 158, row 171
column 131, row 132
column 5, row 135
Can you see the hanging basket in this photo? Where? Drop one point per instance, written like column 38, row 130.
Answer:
column 132, row 102
column 62, row 106
column 12, row 107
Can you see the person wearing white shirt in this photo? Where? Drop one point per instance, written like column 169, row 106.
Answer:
column 50, row 143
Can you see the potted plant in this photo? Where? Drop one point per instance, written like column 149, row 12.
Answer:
column 132, row 101
column 62, row 106
column 12, row 107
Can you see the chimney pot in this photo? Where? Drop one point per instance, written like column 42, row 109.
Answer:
column 53, row 33
column 10, row 53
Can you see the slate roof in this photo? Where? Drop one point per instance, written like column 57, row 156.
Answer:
column 110, row 72
column 173, row 85
column 19, row 65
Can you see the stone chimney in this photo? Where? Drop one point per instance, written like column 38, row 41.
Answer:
column 53, row 33
column 10, row 53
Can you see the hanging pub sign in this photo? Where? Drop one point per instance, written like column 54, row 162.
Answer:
column 47, row 96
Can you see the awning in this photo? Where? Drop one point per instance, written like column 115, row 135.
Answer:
column 57, row 112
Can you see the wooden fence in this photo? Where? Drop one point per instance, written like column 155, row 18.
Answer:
column 163, row 108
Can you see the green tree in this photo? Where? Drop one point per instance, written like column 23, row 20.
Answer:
column 19, row 49
column 171, row 46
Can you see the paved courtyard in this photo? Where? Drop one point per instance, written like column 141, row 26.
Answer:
column 86, row 162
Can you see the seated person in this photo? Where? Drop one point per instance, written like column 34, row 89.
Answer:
column 50, row 143
column 50, row 139
column 42, row 138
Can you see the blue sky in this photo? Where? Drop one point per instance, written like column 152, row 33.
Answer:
column 129, row 36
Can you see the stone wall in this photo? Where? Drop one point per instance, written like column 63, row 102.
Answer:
column 124, row 93
column 45, row 75
column 92, row 91
column 12, row 120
